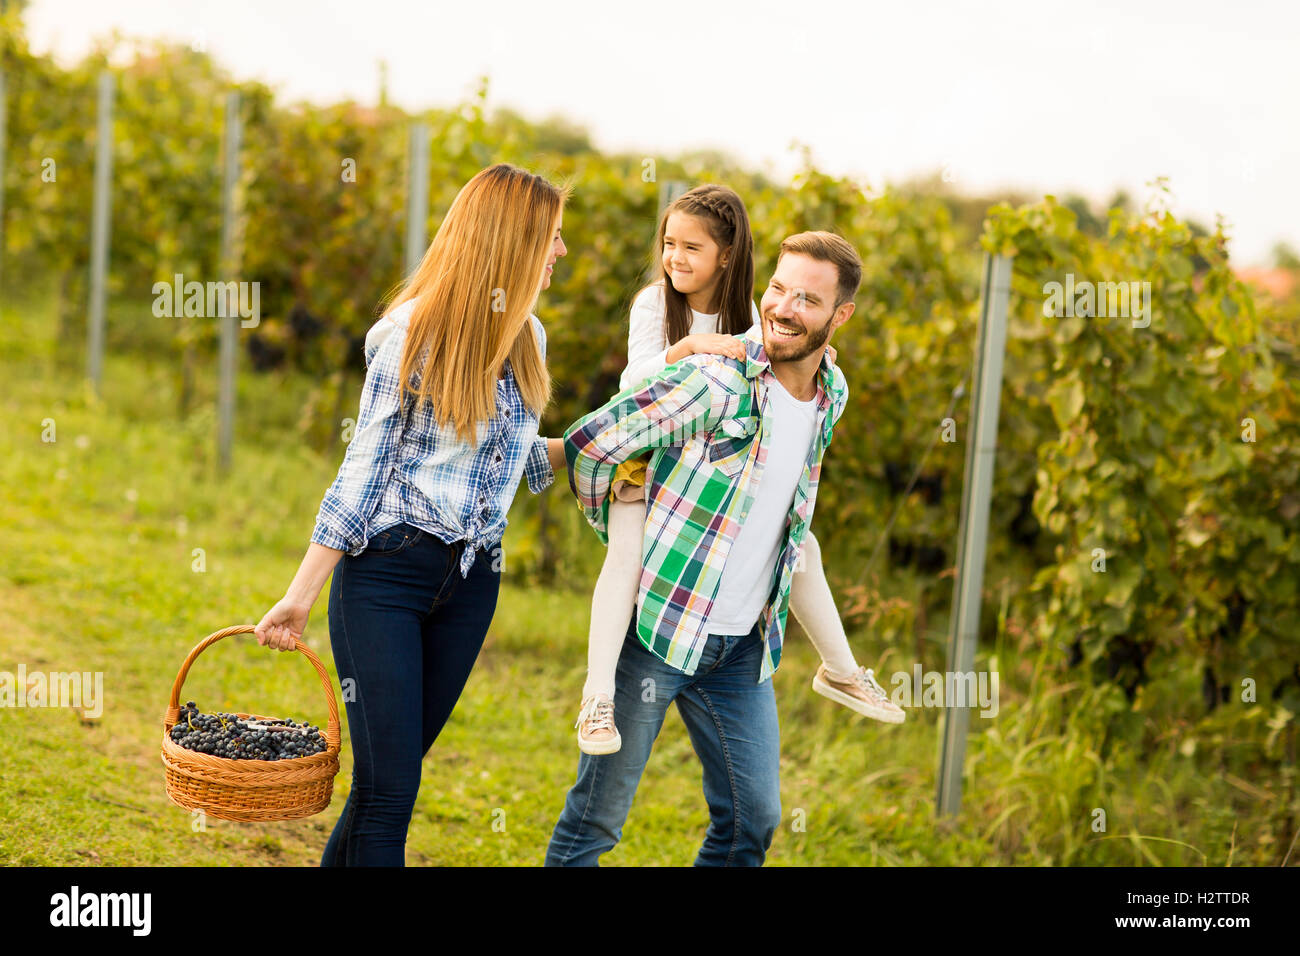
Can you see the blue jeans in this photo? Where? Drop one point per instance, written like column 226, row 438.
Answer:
column 406, row 630
column 731, row 719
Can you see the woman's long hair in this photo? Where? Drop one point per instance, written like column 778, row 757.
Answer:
column 723, row 213
column 475, row 286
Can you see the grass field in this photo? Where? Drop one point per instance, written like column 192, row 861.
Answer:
column 100, row 528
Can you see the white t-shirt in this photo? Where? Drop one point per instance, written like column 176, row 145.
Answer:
column 647, row 334
column 747, row 575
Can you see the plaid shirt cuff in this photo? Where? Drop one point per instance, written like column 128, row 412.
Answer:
column 340, row 526
column 537, row 469
column 327, row 536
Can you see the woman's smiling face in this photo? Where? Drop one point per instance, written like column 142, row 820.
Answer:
column 558, row 249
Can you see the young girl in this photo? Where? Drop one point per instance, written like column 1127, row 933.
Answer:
column 702, row 300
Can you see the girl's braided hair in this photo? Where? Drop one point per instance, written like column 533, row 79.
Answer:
column 723, row 213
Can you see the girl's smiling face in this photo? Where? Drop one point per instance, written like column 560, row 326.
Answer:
column 692, row 260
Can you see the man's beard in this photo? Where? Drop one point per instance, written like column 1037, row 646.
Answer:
column 812, row 341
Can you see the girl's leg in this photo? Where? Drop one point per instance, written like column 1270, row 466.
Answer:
column 840, row 678
column 812, row 604
column 614, row 599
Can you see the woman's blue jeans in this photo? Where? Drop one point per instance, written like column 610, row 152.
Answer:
column 732, row 722
column 405, row 629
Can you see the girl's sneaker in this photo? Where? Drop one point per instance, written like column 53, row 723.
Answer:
column 597, row 734
column 860, row 693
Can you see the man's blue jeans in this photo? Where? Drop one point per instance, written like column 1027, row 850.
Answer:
column 731, row 719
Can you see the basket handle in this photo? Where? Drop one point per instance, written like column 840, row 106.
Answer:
column 332, row 738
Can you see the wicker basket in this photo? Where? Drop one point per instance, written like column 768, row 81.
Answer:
column 250, row 790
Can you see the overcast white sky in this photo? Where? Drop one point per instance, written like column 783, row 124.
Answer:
column 1037, row 94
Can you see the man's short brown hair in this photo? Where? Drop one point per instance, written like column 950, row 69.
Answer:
column 828, row 247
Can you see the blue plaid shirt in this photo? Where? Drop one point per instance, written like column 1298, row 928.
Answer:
column 402, row 466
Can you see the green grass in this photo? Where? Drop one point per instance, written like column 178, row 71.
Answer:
column 96, row 574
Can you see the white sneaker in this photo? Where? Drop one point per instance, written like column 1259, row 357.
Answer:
column 597, row 734
column 860, row 693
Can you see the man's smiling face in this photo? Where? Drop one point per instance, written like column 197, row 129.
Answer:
column 798, row 308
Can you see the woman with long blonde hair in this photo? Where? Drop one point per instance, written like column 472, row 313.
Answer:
column 411, row 528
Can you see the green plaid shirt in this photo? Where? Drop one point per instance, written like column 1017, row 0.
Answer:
column 706, row 420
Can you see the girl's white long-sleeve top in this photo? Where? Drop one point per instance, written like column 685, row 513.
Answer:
column 647, row 334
